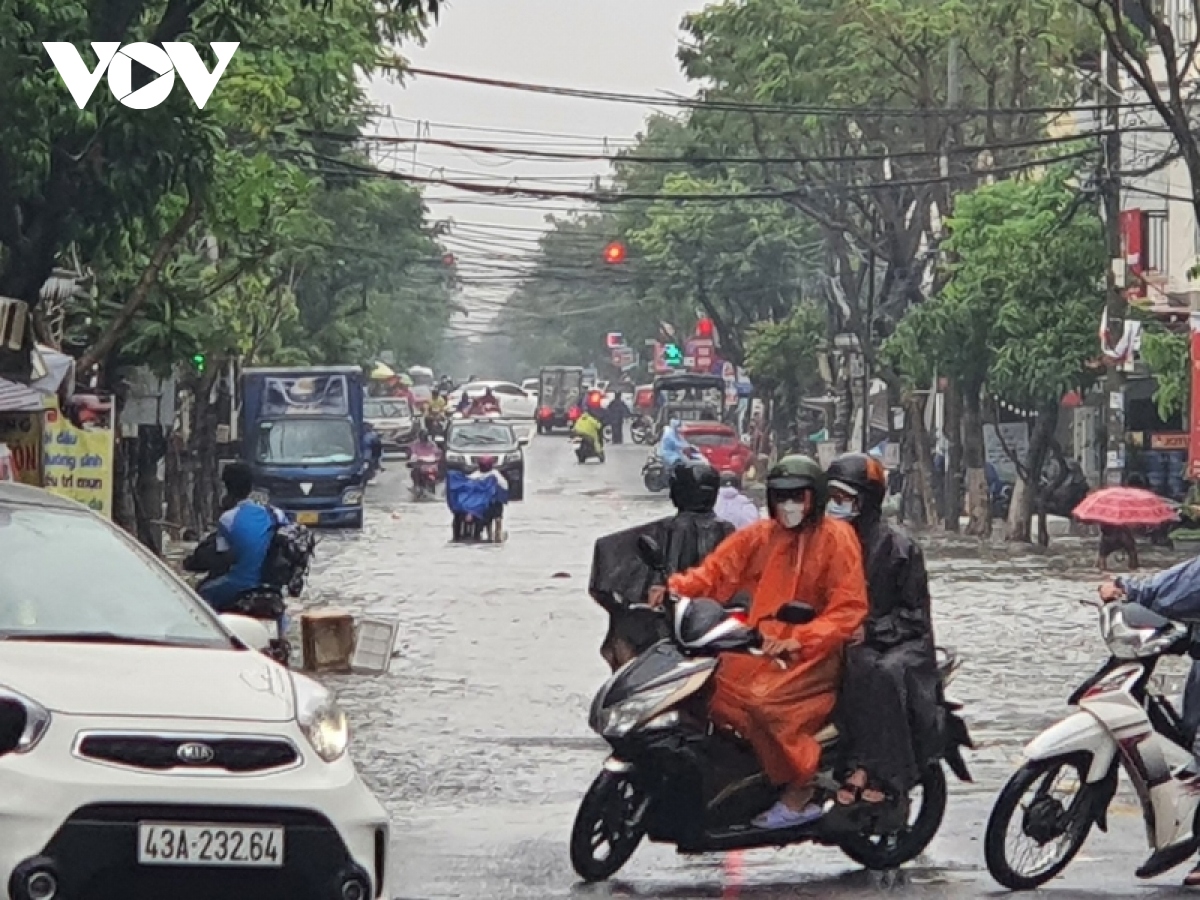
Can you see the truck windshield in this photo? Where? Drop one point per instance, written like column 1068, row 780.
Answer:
column 298, row 442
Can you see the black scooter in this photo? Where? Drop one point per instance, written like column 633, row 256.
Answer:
column 585, row 449
column 676, row 779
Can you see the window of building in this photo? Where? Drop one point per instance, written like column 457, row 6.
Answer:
column 1157, row 242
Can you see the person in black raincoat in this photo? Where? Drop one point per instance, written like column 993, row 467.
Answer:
column 889, row 708
column 620, row 581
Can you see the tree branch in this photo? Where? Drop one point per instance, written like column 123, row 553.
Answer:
column 128, row 313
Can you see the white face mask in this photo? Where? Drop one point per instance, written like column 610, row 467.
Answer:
column 790, row 513
column 844, row 510
column 674, row 423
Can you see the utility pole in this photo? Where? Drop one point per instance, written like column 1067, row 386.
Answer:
column 1114, row 386
column 868, row 345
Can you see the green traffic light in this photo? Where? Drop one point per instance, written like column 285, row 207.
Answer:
column 198, row 361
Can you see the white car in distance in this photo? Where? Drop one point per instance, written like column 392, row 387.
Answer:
column 515, row 402
column 148, row 751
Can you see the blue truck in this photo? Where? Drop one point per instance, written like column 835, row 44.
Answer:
column 302, row 434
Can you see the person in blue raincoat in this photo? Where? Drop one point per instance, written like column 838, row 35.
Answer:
column 674, row 448
column 1174, row 593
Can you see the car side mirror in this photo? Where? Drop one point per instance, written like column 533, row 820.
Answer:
column 651, row 553
column 796, row 613
column 13, row 719
column 523, row 441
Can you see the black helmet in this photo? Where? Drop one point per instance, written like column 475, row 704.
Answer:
column 861, row 476
column 794, row 473
column 694, row 486
column 731, row 479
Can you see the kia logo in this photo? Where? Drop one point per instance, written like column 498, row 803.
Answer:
column 195, row 754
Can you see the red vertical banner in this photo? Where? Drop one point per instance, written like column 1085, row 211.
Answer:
column 1194, row 418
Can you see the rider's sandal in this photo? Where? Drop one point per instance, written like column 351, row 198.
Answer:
column 1192, row 879
column 876, row 797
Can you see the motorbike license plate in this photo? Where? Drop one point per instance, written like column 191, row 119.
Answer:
column 308, row 518
column 197, row 844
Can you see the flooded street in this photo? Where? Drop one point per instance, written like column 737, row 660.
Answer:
column 477, row 739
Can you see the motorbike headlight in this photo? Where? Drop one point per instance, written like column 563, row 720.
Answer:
column 260, row 496
column 37, row 720
column 620, row 719
column 322, row 720
column 353, row 497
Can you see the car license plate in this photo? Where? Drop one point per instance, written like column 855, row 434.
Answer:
column 308, row 518
column 195, row 844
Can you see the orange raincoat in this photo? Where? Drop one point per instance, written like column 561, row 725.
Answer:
column 779, row 710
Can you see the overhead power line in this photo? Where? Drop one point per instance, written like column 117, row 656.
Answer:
column 766, row 108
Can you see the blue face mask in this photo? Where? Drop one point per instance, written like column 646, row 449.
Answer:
column 844, row 510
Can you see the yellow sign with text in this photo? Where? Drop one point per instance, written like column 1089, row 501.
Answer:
column 78, row 462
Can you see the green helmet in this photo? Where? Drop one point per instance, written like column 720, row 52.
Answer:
column 794, row 472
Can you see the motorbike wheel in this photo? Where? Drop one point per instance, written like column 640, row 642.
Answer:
column 608, row 826
column 1042, row 818
column 882, row 852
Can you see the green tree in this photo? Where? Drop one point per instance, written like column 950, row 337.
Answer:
column 782, row 358
column 1168, row 356
column 1024, row 292
column 85, row 176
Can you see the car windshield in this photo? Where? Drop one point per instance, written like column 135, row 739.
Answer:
column 710, row 439
column 68, row 576
column 387, row 409
column 478, row 435
column 298, row 442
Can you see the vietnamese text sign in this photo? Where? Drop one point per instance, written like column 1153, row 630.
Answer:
column 78, row 463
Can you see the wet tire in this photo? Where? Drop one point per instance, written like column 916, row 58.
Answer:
column 1008, row 805
column 880, row 853
column 611, row 815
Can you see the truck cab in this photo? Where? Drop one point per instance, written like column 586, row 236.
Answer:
column 302, row 431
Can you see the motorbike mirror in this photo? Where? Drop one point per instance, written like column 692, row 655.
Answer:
column 796, row 613
column 651, row 553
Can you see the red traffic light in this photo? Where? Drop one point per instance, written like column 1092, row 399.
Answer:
column 614, row 252
column 704, row 328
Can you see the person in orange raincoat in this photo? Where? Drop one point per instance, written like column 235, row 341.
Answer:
column 779, row 701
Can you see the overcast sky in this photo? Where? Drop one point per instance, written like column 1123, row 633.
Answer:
column 612, row 45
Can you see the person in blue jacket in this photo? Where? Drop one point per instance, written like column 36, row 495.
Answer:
column 243, row 540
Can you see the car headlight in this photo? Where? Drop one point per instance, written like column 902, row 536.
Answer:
column 353, row 497
column 260, row 496
column 455, row 458
column 37, row 720
column 512, row 457
column 620, row 719
column 321, row 719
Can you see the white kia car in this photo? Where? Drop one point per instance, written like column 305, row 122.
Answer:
column 146, row 751
column 515, row 403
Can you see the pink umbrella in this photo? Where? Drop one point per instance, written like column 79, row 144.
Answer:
column 1120, row 506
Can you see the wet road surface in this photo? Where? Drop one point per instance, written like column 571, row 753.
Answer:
column 477, row 739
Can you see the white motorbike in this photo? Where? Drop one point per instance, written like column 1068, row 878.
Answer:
column 1039, row 823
